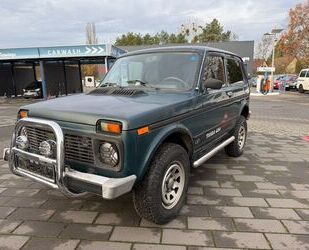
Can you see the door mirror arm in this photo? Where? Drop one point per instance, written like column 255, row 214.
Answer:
column 205, row 91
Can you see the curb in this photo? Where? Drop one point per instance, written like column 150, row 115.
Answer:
column 269, row 94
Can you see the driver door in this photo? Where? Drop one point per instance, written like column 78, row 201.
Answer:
column 214, row 121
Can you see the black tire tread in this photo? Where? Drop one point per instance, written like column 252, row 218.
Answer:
column 146, row 205
column 232, row 149
column 301, row 89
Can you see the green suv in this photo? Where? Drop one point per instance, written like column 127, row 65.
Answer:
column 157, row 114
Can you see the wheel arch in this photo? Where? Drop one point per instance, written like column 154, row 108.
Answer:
column 244, row 111
column 178, row 134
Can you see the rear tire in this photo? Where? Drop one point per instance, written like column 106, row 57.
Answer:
column 236, row 148
column 301, row 89
column 162, row 192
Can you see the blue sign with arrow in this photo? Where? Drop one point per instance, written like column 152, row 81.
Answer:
column 97, row 50
column 73, row 51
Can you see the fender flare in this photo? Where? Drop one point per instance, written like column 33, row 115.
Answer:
column 244, row 105
column 163, row 134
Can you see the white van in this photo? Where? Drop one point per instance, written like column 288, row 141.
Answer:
column 303, row 80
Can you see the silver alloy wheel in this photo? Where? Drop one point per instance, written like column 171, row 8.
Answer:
column 241, row 137
column 173, row 185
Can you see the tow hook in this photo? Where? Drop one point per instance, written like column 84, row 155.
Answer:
column 6, row 154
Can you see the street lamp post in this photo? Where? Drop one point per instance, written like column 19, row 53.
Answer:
column 274, row 34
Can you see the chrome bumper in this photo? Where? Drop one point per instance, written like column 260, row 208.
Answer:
column 111, row 187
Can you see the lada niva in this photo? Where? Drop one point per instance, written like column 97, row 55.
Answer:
column 156, row 114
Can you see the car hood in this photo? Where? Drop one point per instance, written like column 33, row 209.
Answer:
column 133, row 112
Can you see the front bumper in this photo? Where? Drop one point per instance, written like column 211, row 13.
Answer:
column 31, row 94
column 109, row 188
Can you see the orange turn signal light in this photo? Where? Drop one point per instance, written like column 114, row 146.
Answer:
column 143, row 130
column 110, row 127
column 23, row 114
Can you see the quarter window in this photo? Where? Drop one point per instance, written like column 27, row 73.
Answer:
column 234, row 72
column 214, row 68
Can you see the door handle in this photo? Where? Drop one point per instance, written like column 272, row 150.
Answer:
column 230, row 93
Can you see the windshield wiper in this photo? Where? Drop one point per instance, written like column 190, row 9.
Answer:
column 138, row 82
column 108, row 84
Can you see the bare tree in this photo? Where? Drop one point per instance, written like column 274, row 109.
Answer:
column 264, row 48
column 190, row 29
column 91, row 34
column 234, row 37
column 91, row 38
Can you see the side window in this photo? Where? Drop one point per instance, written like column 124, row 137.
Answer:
column 234, row 72
column 307, row 75
column 303, row 73
column 214, row 68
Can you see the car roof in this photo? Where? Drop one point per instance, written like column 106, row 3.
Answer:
column 305, row 69
column 186, row 48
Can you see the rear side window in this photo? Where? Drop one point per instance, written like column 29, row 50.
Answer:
column 303, row 73
column 234, row 72
column 307, row 75
column 214, row 68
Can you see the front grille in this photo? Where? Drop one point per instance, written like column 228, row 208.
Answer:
column 36, row 136
column 78, row 148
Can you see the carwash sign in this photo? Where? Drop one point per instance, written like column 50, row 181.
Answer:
column 73, row 51
column 78, row 51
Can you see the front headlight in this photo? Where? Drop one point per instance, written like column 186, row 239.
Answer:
column 109, row 154
column 22, row 139
column 22, row 142
column 48, row 148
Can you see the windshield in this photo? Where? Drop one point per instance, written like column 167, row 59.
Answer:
column 33, row 85
column 166, row 70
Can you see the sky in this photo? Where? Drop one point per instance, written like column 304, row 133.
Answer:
column 30, row 23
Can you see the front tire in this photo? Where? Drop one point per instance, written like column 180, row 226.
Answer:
column 236, row 148
column 161, row 194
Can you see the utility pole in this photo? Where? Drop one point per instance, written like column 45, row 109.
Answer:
column 273, row 65
column 274, row 34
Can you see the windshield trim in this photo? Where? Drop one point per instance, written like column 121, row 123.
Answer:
column 201, row 57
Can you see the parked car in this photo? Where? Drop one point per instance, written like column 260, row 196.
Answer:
column 277, row 80
column 290, row 81
column 253, row 81
column 303, row 81
column 157, row 114
column 33, row 90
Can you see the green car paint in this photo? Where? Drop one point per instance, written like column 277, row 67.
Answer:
column 197, row 118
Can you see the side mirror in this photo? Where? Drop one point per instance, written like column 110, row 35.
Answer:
column 212, row 83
